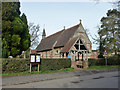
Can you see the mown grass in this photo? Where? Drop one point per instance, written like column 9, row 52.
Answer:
column 36, row 72
column 103, row 67
column 61, row 70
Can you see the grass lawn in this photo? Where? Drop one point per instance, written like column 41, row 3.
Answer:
column 36, row 72
column 54, row 71
column 103, row 67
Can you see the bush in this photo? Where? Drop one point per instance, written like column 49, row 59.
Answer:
column 100, row 56
column 92, row 62
column 112, row 60
column 4, row 53
column 15, row 65
column 55, row 64
column 10, row 65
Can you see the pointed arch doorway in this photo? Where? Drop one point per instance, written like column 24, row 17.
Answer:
column 80, row 54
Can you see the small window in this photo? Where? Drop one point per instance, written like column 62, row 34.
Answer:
column 76, row 46
column 77, row 41
column 81, row 42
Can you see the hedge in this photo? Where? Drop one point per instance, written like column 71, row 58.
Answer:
column 113, row 60
column 15, row 65
column 92, row 62
column 55, row 64
column 22, row 65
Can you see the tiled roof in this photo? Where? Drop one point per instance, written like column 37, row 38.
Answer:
column 48, row 42
column 58, row 39
column 69, row 44
column 66, row 35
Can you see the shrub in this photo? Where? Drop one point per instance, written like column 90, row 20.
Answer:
column 10, row 65
column 112, row 60
column 92, row 62
column 55, row 64
column 15, row 65
column 100, row 62
column 4, row 53
column 100, row 56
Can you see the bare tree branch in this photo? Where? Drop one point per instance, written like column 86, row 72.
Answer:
column 35, row 33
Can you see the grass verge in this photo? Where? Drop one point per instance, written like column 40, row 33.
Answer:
column 103, row 67
column 35, row 72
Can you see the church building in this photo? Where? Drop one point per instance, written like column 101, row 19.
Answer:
column 71, row 43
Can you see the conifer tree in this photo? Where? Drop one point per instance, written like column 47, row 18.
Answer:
column 15, row 33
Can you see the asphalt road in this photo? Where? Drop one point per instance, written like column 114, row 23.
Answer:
column 69, row 80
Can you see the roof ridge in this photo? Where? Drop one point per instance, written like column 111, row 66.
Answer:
column 71, row 27
column 60, row 31
column 53, row 34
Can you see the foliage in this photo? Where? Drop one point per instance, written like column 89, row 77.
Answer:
column 15, row 65
column 109, row 31
column 112, row 60
column 117, row 4
column 55, row 64
column 24, row 19
column 92, row 62
column 4, row 53
column 15, row 51
column 100, row 56
column 15, row 33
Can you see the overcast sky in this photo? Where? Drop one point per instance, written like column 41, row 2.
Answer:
column 56, row 15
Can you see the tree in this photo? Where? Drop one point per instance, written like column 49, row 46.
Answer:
column 15, row 33
column 109, row 31
column 99, row 41
column 34, row 31
column 15, row 45
column 117, row 4
column 25, row 40
column 24, row 19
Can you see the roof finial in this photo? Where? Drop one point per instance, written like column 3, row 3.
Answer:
column 64, row 27
column 43, row 33
column 80, row 20
column 44, row 26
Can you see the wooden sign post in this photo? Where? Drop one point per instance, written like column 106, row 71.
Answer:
column 34, row 59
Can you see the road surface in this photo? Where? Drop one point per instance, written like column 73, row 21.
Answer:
column 76, row 80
